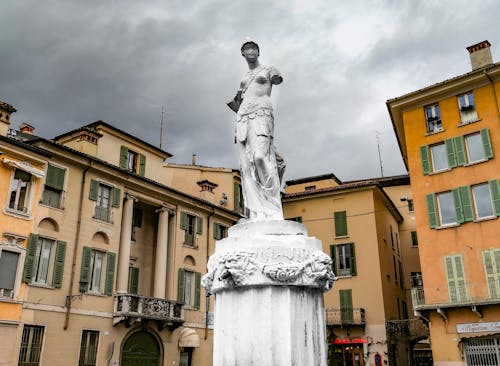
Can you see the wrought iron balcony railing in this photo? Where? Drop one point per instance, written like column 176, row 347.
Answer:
column 131, row 308
column 345, row 317
column 413, row 329
column 459, row 294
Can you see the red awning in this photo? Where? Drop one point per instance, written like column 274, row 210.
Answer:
column 349, row 341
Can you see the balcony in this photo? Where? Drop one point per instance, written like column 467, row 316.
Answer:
column 345, row 317
column 413, row 330
column 462, row 295
column 132, row 308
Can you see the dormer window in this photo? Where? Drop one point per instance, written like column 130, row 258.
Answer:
column 467, row 108
column 433, row 118
column 132, row 161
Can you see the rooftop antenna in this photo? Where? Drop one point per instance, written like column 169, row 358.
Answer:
column 161, row 124
column 377, row 135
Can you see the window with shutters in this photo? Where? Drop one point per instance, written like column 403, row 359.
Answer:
column 414, row 238
column 106, row 197
column 188, row 290
column 88, row 348
column 20, row 191
column 439, row 157
column 478, row 146
column 446, row 207
column 9, row 271
column 133, row 280
column 346, row 309
column 491, row 261
column 54, row 187
column 31, row 345
column 238, row 198
column 98, row 268
column 132, row 161
column 483, row 204
column 220, row 231
column 343, row 259
column 433, row 118
column 467, row 108
column 455, row 276
column 192, row 226
column 340, row 221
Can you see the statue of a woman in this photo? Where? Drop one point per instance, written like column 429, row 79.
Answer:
column 260, row 167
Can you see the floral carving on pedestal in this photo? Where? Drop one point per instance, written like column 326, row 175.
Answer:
column 259, row 267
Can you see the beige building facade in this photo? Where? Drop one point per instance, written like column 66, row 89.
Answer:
column 115, row 255
column 366, row 228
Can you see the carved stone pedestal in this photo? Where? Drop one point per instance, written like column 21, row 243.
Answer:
column 268, row 279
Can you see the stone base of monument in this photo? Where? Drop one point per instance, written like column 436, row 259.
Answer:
column 268, row 279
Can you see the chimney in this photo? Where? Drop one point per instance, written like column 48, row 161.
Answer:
column 480, row 55
column 5, row 111
column 27, row 128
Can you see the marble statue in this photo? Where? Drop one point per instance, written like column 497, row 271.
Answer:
column 260, row 166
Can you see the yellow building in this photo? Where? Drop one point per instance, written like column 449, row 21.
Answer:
column 117, row 256
column 361, row 225
column 21, row 174
column 449, row 136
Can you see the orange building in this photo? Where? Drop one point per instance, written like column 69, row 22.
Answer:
column 449, row 136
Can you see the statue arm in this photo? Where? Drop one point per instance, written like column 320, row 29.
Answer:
column 275, row 76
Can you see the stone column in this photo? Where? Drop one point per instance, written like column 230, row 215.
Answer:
column 268, row 279
column 125, row 240
column 161, row 253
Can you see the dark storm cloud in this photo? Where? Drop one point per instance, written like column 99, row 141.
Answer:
column 67, row 63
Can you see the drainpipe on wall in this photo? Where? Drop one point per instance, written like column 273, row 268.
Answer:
column 207, row 297
column 69, row 298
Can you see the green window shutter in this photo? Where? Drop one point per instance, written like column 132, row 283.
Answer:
column 110, row 274
column 488, row 151
column 57, row 274
column 116, row 197
column 333, row 255
column 352, row 259
column 94, row 188
column 29, row 262
column 180, row 285
column 450, row 151
column 460, row 150
column 495, row 195
column 142, row 165
column 346, row 311
column 414, row 238
column 465, row 198
column 85, row 269
column 183, row 224
column 55, row 177
column 197, row 286
column 424, row 155
column 455, row 277
column 458, row 205
column 491, row 260
column 237, row 193
column 199, row 225
column 431, row 210
column 299, row 219
column 133, row 280
column 217, row 232
column 340, row 223
column 123, row 157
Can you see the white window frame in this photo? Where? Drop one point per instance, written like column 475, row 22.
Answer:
column 29, row 195
column 440, row 212
column 431, row 149
column 13, row 243
column 50, row 264
column 469, row 161
column 346, row 260
column 189, row 292
column 194, row 233
column 132, row 159
column 110, row 201
column 92, row 272
column 438, row 122
column 476, row 214
column 468, row 115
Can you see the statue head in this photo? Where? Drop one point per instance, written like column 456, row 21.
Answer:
column 249, row 44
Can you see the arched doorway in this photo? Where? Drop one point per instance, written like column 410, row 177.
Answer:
column 141, row 349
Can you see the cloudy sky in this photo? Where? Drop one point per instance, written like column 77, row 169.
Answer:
column 67, row 63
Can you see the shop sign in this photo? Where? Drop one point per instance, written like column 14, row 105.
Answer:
column 478, row 327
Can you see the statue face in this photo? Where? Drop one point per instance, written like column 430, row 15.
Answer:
column 250, row 52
